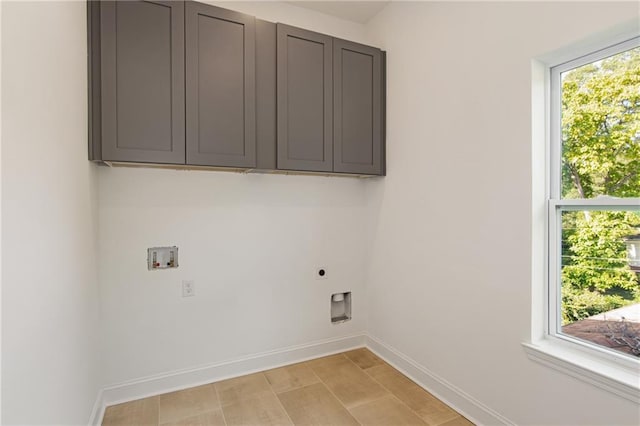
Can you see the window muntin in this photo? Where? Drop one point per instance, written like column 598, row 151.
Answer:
column 594, row 206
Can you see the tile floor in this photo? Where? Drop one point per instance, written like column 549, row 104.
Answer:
column 352, row 388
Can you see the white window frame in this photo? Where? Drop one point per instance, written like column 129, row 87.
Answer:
column 556, row 204
column 603, row 367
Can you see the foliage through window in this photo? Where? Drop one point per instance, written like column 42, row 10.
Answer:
column 594, row 208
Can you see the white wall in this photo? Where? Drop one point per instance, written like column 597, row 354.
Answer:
column 449, row 279
column 287, row 13
column 49, row 210
column 458, row 182
column 251, row 243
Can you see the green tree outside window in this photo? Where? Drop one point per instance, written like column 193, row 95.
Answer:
column 600, row 157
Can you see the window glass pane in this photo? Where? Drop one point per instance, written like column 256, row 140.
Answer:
column 601, row 128
column 600, row 278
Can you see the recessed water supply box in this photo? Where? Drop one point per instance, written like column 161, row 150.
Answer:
column 340, row 307
column 162, row 258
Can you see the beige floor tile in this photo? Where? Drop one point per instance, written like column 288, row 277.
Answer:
column 352, row 388
column 347, row 381
column 264, row 410
column 245, row 387
column 212, row 418
column 429, row 408
column 291, row 377
column 326, row 361
column 384, row 412
column 187, row 403
column 458, row 421
column 315, row 405
column 364, row 358
column 140, row 412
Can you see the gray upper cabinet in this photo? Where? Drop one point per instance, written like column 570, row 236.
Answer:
column 357, row 108
column 304, row 99
column 142, row 81
column 220, row 87
column 187, row 83
column 330, row 97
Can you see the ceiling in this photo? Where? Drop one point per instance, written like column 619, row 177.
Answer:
column 356, row 11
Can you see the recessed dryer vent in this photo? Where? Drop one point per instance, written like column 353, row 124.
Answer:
column 340, row 307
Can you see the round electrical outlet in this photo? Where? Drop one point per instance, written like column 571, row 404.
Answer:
column 321, row 273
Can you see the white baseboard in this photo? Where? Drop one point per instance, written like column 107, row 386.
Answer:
column 182, row 379
column 97, row 413
column 144, row 387
column 451, row 395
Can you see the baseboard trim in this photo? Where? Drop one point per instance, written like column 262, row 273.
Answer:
column 451, row 395
column 97, row 413
column 182, row 379
column 158, row 384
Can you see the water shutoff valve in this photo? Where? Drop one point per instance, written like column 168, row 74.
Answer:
column 162, row 258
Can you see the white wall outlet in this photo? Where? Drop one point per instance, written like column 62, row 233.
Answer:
column 321, row 273
column 188, row 288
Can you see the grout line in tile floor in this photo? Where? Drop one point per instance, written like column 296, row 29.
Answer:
column 393, row 394
column 278, row 398
column 364, row 370
column 384, row 387
column 331, row 391
column 224, row 418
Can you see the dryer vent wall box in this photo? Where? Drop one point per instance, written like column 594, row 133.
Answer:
column 340, row 307
column 162, row 258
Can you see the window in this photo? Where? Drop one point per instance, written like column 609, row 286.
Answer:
column 594, row 202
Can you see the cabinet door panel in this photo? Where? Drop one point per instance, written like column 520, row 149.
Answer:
column 220, row 61
column 142, row 47
column 266, row 116
column 358, row 139
column 304, row 61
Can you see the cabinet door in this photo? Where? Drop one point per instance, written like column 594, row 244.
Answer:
column 142, row 54
column 304, row 91
column 220, row 82
column 357, row 108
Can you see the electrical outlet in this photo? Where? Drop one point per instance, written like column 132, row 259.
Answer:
column 188, row 288
column 321, row 273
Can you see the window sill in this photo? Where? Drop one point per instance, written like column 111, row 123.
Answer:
column 607, row 374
